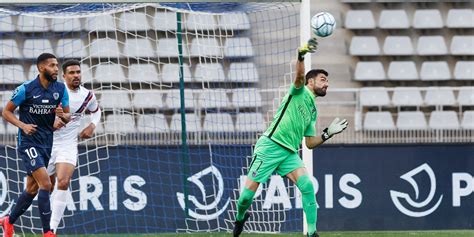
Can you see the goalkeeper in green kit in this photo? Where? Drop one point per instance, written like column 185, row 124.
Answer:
column 277, row 149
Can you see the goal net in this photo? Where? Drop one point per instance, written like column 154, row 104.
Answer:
column 185, row 90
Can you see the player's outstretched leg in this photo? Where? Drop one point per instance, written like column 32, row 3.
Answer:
column 243, row 204
column 22, row 204
column 313, row 235
column 7, row 227
column 239, row 225
column 310, row 207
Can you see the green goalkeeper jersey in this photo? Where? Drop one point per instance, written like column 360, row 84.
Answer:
column 295, row 118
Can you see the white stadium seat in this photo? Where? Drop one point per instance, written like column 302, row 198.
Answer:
column 104, row 48
column 359, row 19
column 32, row 24
column 168, row 48
column 468, row 120
column 9, row 49
column 193, row 123
column 466, row 95
column 147, row 99
column 140, row 48
column 133, row 21
column 443, row 120
column 86, row 74
column 71, row 48
column 234, row 21
column 170, row 73
column 109, row 72
column 238, row 47
column 165, row 21
column 206, row 47
column 221, row 122
column 369, row 71
column 243, row 72
column 248, row 97
column 374, row 96
column 201, row 22
column 411, row 120
column 394, row 19
column 120, row 123
column 464, row 70
column 66, row 24
column 398, row 45
column 173, row 99
column 427, row 19
column 215, row 98
column 211, row 72
column 435, row 71
column 152, row 123
column 33, row 73
column 8, row 128
column 432, row 45
column 250, row 122
column 145, row 73
column 12, row 74
column 460, row 18
column 32, row 48
column 378, row 121
column 6, row 23
column 5, row 96
column 11, row 129
column 462, row 45
column 439, row 96
column 407, row 96
column 364, row 46
column 402, row 71
column 114, row 99
column 100, row 23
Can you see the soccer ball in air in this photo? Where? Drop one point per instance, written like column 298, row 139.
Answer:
column 323, row 24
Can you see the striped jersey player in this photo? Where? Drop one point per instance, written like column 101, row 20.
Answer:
column 64, row 155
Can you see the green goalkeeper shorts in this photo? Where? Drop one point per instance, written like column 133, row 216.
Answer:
column 268, row 157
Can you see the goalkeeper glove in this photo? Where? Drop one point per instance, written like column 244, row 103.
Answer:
column 309, row 47
column 336, row 126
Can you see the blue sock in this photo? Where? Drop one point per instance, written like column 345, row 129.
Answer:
column 44, row 209
column 22, row 204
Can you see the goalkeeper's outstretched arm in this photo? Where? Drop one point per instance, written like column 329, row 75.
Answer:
column 309, row 47
column 336, row 126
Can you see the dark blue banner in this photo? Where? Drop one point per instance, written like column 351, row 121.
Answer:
column 144, row 189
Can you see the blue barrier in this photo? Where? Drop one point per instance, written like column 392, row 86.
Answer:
column 139, row 189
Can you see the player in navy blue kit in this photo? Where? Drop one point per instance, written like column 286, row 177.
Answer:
column 40, row 101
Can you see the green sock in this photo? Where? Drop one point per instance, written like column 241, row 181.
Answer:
column 306, row 188
column 245, row 200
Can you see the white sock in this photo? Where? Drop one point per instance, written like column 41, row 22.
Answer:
column 58, row 205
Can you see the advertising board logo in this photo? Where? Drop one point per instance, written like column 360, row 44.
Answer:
column 206, row 207
column 423, row 210
column 3, row 195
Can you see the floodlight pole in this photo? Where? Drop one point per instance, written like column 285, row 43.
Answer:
column 305, row 34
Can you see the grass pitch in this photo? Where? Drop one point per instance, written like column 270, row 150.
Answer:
column 440, row 233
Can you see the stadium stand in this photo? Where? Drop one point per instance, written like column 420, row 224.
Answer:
column 369, row 71
column 152, row 123
column 411, row 120
column 234, row 21
column 393, row 19
column 378, row 121
column 443, row 120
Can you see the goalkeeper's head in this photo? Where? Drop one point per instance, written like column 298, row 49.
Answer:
column 317, row 81
column 72, row 73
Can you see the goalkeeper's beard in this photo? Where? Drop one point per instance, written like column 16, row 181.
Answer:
column 319, row 92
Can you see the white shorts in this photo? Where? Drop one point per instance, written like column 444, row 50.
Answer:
column 62, row 154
